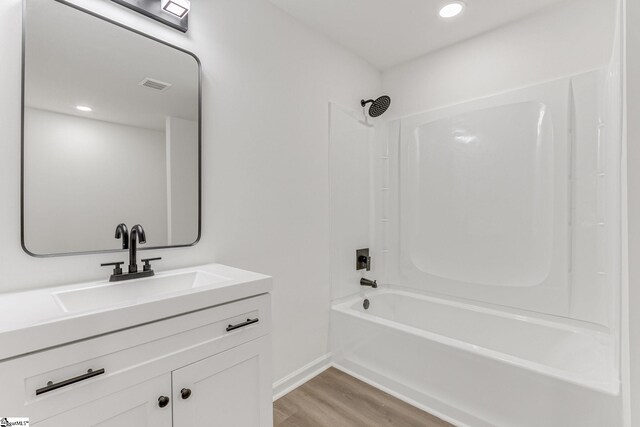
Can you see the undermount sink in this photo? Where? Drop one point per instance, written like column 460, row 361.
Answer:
column 107, row 295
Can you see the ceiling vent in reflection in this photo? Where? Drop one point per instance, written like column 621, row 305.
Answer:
column 155, row 84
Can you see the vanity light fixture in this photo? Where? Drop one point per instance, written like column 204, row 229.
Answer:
column 84, row 108
column 174, row 13
column 178, row 8
column 452, row 9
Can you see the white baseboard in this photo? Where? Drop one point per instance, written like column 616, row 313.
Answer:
column 301, row 376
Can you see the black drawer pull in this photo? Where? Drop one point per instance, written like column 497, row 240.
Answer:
column 51, row 386
column 243, row 324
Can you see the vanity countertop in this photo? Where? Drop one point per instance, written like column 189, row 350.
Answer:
column 43, row 318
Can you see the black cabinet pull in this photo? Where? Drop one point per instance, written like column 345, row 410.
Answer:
column 243, row 324
column 185, row 393
column 163, row 401
column 51, row 386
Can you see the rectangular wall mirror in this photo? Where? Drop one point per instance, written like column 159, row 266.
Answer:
column 110, row 134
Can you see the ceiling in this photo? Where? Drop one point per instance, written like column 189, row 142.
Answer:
column 389, row 32
column 72, row 58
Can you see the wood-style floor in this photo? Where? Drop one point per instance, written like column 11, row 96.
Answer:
column 335, row 399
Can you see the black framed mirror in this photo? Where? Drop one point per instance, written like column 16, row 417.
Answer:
column 111, row 133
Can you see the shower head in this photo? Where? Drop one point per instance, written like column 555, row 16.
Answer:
column 378, row 107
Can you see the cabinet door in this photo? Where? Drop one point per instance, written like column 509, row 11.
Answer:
column 230, row 389
column 136, row 406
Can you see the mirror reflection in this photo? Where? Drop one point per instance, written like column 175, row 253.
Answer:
column 110, row 134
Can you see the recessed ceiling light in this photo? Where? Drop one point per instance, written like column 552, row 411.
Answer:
column 84, row 108
column 178, row 8
column 452, row 9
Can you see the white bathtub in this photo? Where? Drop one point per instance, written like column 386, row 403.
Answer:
column 478, row 366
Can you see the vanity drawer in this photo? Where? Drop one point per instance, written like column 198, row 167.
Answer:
column 128, row 357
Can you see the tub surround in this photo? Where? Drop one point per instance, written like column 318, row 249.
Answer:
column 39, row 319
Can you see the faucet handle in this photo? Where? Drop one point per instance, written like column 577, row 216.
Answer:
column 117, row 270
column 363, row 260
column 147, row 263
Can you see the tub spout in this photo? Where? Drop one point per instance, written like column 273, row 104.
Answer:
column 367, row 282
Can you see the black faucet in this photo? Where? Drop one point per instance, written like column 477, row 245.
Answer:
column 137, row 236
column 130, row 241
column 367, row 282
column 123, row 233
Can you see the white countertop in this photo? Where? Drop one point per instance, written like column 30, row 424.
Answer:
column 35, row 320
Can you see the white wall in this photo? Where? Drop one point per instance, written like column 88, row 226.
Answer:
column 568, row 39
column 266, row 85
column 66, row 214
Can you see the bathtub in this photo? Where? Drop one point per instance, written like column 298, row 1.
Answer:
column 476, row 365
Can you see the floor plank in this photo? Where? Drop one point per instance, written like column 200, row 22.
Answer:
column 335, row 399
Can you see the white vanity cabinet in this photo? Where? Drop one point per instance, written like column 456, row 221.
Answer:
column 225, row 389
column 204, row 368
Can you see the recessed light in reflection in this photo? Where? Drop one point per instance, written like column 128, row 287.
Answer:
column 452, row 9
column 84, row 108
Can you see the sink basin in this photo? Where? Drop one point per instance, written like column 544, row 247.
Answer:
column 107, row 295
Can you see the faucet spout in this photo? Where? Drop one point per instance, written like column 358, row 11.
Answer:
column 367, row 282
column 123, row 233
column 137, row 236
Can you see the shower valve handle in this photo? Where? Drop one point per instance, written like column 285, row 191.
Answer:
column 365, row 261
